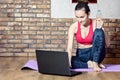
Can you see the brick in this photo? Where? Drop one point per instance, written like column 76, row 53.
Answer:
column 36, row 10
column 21, row 45
column 51, row 46
column 112, row 24
column 10, row 10
column 36, row 36
column 6, row 19
column 15, row 50
column 118, row 47
column 24, row 28
column 3, row 23
column 47, row 19
column 113, row 20
column 118, row 55
column 110, row 55
column 25, row 19
column 17, row 28
column 33, row 46
column 38, row 2
column 28, row 23
column 62, row 28
column 43, row 6
column 37, row 19
column 57, row 33
column 21, row 54
column 32, row 6
column 117, row 30
column 4, row 41
column 65, row 20
column 10, row 15
column 3, row 6
column 112, row 46
column 14, row 23
column 118, row 25
column 42, row 32
column 47, row 37
column 3, row 28
column 28, row 41
column 14, row 41
column 117, row 51
column 49, row 28
column 54, row 20
column 6, row 54
column 43, row 24
column 2, row 45
column 54, row 37
column 29, row 50
column 3, row 15
column 106, row 24
column 46, row 11
column 7, row 37
column 29, row 32
column 47, row 41
column 14, row 32
column 21, row 36
column 25, row 1
column 17, row 1
column 22, row 10
column 28, row 15
column 57, row 24
column 43, row 15
column 18, row 19
column 46, row 1
column 57, row 49
column 33, row 28
column 18, row 15
column 38, row 45
column 68, row 24
column 56, row 41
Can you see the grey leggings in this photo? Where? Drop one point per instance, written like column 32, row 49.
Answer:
column 95, row 53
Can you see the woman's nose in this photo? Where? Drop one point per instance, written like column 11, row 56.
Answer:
column 80, row 21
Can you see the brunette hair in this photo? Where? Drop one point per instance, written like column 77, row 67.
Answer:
column 80, row 5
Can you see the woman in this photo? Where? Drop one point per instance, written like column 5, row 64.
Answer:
column 90, row 40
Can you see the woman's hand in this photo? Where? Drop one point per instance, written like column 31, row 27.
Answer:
column 99, row 23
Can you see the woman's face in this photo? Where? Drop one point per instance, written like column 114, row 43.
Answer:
column 81, row 16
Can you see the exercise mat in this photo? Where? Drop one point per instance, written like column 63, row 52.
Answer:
column 32, row 64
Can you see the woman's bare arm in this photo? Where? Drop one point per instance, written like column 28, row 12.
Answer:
column 70, row 42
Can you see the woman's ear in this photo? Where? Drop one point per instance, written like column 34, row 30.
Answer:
column 88, row 13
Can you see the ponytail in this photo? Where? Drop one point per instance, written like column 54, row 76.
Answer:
column 82, row 4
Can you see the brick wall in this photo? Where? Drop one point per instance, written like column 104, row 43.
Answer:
column 26, row 25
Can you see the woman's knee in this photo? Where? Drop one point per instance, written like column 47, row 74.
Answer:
column 99, row 36
column 99, row 32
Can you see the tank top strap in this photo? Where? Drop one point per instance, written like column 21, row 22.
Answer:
column 78, row 28
column 91, row 26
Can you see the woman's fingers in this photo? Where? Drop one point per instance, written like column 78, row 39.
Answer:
column 99, row 23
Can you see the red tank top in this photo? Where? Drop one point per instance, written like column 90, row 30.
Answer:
column 88, row 39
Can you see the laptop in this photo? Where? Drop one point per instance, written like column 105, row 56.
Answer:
column 54, row 63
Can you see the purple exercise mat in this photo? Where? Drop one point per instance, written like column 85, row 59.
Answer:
column 32, row 64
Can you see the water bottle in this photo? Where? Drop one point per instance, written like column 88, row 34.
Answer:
column 99, row 14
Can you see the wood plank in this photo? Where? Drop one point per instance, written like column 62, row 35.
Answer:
column 10, row 70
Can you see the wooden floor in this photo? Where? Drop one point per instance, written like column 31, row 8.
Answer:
column 10, row 70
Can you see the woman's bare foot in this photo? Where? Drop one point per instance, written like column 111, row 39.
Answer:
column 96, row 67
column 90, row 64
column 101, row 66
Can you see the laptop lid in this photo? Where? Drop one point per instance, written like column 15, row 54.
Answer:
column 53, row 62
